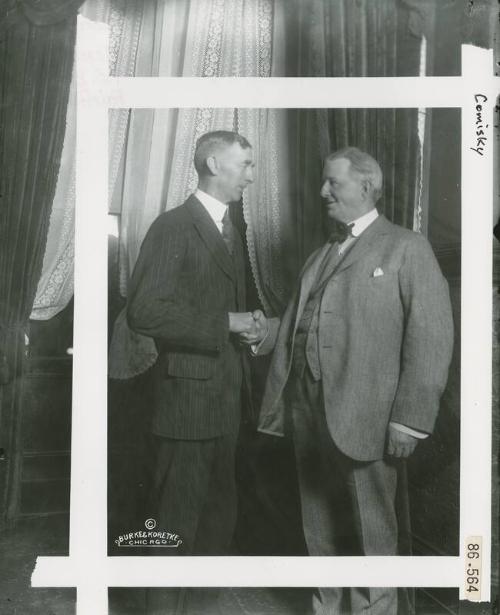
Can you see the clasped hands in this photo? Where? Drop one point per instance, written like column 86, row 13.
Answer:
column 250, row 327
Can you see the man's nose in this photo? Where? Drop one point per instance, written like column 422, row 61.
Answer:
column 250, row 175
column 324, row 190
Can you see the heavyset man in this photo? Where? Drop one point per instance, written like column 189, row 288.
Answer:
column 360, row 361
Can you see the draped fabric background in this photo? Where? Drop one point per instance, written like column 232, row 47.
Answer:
column 362, row 39
column 151, row 150
column 35, row 73
column 36, row 64
column 47, row 13
column 205, row 38
column 282, row 209
column 288, row 229
column 55, row 287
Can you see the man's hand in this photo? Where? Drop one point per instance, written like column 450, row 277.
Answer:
column 241, row 322
column 251, row 327
column 400, row 444
column 258, row 331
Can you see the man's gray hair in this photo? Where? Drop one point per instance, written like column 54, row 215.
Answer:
column 210, row 142
column 363, row 164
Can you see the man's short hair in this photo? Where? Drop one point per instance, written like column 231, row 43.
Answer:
column 210, row 142
column 363, row 164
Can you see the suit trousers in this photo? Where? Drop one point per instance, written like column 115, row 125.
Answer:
column 195, row 497
column 348, row 507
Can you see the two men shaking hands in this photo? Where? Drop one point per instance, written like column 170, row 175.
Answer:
column 250, row 327
column 359, row 362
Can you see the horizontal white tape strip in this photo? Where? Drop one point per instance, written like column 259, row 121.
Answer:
column 154, row 571
column 250, row 92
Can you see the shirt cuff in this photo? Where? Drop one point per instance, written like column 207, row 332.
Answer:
column 254, row 348
column 408, row 430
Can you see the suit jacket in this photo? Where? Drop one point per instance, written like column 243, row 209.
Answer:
column 385, row 341
column 183, row 286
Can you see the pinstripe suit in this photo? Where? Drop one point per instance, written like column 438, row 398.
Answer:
column 183, row 286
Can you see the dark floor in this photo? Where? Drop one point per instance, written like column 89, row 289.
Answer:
column 20, row 545
column 277, row 601
column 232, row 601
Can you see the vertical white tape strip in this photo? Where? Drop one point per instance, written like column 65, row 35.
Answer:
column 88, row 510
column 417, row 213
column 477, row 215
column 92, row 598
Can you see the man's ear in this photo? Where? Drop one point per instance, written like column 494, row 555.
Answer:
column 366, row 188
column 212, row 165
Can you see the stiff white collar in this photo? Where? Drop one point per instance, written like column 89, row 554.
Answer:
column 363, row 222
column 215, row 208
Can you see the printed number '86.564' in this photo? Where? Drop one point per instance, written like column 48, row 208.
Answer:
column 473, row 570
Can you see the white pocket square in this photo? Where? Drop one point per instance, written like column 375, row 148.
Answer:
column 378, row 272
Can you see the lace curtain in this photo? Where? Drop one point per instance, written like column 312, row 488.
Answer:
column 282, row 209
column 152, row 149
column 207, row 38
column 55, row 287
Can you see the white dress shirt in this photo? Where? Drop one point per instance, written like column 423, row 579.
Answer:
column 358, row 226
column 215, row 208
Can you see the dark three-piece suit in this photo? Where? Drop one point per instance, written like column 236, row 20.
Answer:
column 184, row 285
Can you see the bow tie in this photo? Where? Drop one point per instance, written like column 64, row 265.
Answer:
column 341, row 233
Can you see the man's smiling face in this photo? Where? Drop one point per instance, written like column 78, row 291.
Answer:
column 344, row 191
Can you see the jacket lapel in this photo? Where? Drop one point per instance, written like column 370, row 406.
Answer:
column 239, row 266
column 308, row 277
column 210, row 235
column 380, row 226
column 364, row 244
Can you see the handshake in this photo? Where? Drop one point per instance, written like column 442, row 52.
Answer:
column 250, row 327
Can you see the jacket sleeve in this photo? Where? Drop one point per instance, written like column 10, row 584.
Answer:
column 266, row 345
column 427, row 339
column 154, row 308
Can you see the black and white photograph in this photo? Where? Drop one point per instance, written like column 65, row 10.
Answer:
column 284, row 369
column 301, row 330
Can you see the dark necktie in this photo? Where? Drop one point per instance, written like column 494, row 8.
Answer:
column 228, row 232
column 341, row 233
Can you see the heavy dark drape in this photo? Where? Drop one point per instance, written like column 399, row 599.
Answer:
column 389, row 135
column 353, row 39
column 46, row 13
column 36, row 69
